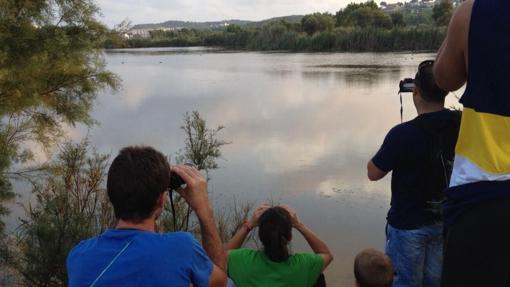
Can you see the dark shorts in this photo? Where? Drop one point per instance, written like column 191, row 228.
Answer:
column 477, row 247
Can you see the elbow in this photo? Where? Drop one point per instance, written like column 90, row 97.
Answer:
column 372, row 177
column 328, row 258
column 371, row 174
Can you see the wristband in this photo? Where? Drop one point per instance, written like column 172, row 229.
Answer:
column 247, row 225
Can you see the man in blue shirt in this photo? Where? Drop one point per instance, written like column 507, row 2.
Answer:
column 419, row 153
column 134, row 254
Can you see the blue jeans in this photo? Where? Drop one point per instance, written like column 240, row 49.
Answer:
column 416, row 254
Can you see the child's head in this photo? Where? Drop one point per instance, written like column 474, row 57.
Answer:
column 373, row 269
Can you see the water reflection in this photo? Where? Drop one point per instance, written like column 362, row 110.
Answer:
column 302, row 128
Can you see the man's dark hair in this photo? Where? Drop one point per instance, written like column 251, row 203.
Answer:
column 373, row 269
column 426, row 83
column 275, row 232
column 137, row 177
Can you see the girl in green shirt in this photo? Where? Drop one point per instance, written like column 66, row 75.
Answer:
column 275, row 266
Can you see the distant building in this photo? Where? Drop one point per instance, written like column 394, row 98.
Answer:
column 392, row 7
column 142, row 33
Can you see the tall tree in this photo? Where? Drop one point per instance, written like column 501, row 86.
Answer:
column 50, row 71
column 397, row 19
column 317, row 22
column 363, row 15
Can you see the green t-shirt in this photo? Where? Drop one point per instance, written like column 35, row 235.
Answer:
column 251, row 268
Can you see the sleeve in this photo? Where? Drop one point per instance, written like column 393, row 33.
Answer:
column 386, row 158
column 201, row 265
column 313, row 264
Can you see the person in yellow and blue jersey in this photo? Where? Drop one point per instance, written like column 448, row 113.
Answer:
column 477, row 209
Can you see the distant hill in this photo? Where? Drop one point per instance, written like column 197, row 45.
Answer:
column 214, row 24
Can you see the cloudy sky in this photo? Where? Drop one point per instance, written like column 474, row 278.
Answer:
column 155, row 11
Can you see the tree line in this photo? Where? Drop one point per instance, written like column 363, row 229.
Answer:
column 358, row 27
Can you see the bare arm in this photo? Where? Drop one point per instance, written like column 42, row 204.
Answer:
column 241, row 234
column 318, row 246
column 238, row 238
column 373, row 172
column 196, row 196
column 451, row 69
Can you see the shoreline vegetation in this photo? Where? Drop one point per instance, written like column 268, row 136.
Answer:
column 364, row 27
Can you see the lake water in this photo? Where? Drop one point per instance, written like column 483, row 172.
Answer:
column 302, row 128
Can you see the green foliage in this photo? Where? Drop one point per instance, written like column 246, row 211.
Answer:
column 49, row 58
column 402, row 39
column 233, row 29
column 231, row 218
column 363, row 15
column 442, row 12
column 50, row 71
column 317, row 22
column 357, row 27
column 70, row 205
column 202, row 146
column 115, row 38
column 6, row 154
column 397, row 19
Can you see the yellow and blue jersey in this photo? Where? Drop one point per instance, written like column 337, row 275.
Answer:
column 482, row 162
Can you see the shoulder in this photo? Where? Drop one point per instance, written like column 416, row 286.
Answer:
column 306, row 256
column 176, row 240
column 84, row 245
column 460, row 22
column 311, row 261
column 178, row 236
column 242, row 252
column 402, row 131
column 244, row 255
column 464, row 11
column 81, row 248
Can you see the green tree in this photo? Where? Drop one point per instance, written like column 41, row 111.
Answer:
column 71, row 205
column 233, row 28
column 116, row 37
column 397, row 19
column 310, row 24
column 317, row 22
column 442, row 12
column 51, row 68
column 363, row 15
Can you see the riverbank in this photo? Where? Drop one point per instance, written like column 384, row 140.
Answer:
column 278, row 38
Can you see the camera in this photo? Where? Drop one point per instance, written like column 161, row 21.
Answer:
column 406, row 86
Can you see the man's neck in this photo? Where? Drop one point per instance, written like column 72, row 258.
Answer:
column 146, row 225
column 430, row 108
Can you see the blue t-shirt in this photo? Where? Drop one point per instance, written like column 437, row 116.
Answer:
column 406, row 151
column 142, row 259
